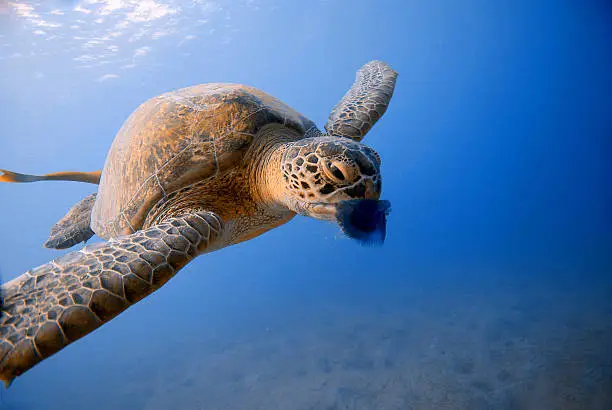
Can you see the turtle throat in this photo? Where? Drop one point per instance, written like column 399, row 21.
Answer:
column 267, row 176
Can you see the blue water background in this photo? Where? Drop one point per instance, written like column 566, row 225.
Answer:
column 494, row 288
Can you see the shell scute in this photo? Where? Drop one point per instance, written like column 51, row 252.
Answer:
column 178, row 139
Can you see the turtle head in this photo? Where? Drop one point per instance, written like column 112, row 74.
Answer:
column 336, row 179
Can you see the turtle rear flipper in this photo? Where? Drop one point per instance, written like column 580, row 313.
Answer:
column 74, row 227
column 89, row 177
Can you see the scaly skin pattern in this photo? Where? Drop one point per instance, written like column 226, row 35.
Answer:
column 180, row 138
column 73, row 228
column 364, row 103
column 182, row 163
column 55, row 304
column 327, row 169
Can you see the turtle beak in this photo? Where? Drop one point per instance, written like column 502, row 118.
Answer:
column 371, row 192
column 324, row 211
column 364, row 220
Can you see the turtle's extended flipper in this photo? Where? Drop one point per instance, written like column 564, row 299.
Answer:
column 74, row 227
column 49, row 307
column 364, row 103
column 89, row 177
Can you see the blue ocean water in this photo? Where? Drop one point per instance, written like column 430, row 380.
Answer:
column 493, row 289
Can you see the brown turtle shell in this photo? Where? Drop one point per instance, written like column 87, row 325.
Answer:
column 176, row 139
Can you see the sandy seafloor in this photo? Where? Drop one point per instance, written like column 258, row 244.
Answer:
column 499, row 342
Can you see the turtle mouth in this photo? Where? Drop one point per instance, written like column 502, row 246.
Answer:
column 322, row 210
column 364, row 220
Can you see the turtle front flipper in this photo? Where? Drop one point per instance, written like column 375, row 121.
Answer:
column 89, row 177
column 49, row 307
column 74, row 227
column 365, row 102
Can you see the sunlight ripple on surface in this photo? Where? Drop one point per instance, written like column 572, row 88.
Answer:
column 110, row 35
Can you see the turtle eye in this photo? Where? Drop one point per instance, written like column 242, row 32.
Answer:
column 337, row 172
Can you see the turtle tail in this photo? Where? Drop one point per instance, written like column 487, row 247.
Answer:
column 89, row 177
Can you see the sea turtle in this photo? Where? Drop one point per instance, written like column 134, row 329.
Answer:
column 192, row 171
